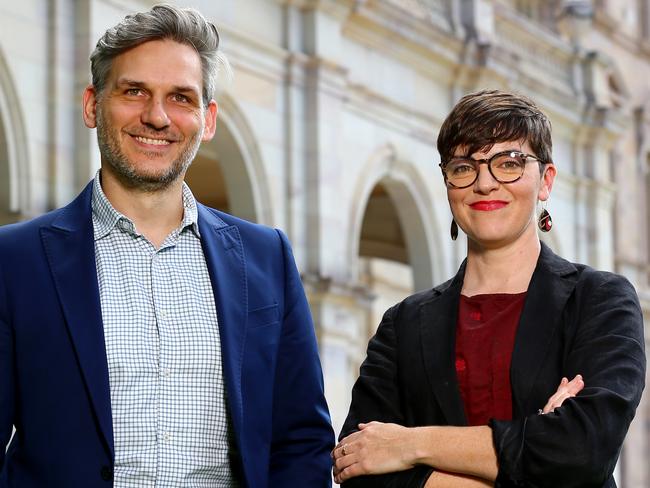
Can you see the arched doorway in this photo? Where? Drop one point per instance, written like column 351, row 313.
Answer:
column 393, row 250
column 384, row 261
column 397, row 192
column 228, row 173
column 207, row 182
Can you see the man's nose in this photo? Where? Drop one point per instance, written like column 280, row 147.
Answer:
column 155, row 115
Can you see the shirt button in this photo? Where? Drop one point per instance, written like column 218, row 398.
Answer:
column 461, row 365
column 163, row 314
column 166, row 436
column 166, row 372
column 476, row 316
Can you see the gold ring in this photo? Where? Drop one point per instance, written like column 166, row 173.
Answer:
column 343, row 450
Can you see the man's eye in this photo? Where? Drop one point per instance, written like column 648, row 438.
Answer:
column 180, row 98
column 133, row 91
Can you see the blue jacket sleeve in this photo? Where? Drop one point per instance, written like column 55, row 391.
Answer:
column 578, row 444
column 302, row 431
column 6, row 373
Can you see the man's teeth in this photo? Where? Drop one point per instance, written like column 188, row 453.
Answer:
column 155, row 142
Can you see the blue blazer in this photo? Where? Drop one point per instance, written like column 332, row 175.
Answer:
column 54, row 384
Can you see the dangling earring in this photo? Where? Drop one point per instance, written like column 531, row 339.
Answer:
column 544, row 222
column 454, row 230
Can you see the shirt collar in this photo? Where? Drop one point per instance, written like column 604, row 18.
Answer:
column 190, row 211
column 106, row 217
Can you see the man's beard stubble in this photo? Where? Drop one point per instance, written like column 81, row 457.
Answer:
column 127, row 173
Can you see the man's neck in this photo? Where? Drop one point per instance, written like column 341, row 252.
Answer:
column 154, row 214
column 506, row 269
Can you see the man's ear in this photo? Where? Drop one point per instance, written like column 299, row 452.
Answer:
column 89, row 107
column 210, row 120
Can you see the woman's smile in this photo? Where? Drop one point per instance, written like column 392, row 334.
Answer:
column 488, row 205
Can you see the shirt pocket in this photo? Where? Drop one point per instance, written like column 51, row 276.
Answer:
column 260, row 353
column 263, row 316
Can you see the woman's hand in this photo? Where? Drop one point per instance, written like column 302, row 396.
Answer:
column 567, row 389
column 379, row 447
column 375, row 449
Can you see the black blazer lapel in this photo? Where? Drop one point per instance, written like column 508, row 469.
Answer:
column 550, row 287
column 438, row 332
column 224, row 254
column 70, row 250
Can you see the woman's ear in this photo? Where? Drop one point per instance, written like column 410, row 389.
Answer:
column 548, row 178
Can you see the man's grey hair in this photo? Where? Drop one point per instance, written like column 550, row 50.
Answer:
column 183, row 25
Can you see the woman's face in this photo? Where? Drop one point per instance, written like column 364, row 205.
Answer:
column 494, row 214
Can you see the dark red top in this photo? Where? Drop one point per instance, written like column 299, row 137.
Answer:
column 485, row 338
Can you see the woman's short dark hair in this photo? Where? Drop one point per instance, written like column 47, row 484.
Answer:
column 480, row 120
column 183, row 25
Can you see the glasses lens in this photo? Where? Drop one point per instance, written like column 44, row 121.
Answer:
column 507, row 167
column 461, row 172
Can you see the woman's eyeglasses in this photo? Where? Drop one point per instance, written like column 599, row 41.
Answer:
column 505, row 167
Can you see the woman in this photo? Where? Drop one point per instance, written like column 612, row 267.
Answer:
column 460, row 384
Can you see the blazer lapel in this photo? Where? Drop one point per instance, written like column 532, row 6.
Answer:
column 70, row 250
column 224, row 254
column 550, row 287
column 438, row 332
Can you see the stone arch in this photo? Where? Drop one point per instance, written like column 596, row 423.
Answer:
column 415, row 211
column 235, row 154
column 14, row 162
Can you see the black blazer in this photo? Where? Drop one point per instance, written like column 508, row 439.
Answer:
column 574, row 320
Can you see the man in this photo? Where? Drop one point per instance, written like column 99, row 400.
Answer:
column 146, row 340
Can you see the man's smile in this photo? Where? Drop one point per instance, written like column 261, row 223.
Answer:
column 153, row 142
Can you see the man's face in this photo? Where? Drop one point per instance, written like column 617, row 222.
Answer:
column 150, row 117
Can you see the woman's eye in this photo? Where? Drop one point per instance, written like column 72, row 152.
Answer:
column 461, row 169
column 508, row 164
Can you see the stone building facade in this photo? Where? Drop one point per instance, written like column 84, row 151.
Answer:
column 328, row 131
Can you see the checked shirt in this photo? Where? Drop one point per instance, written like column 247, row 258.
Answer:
column 170, row 422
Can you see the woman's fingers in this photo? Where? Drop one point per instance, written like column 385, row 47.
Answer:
column 375, row 449
column 566, row 389
column 576, row 385
column 345, row 459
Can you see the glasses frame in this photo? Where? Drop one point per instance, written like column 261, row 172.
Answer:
column 488, row 161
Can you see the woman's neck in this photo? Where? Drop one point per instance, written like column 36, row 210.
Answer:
column 506, row 269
